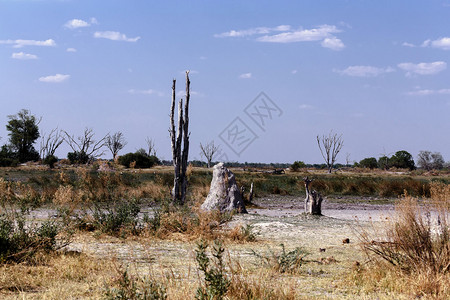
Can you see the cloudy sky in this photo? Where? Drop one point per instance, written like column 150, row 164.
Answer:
column 267, row 76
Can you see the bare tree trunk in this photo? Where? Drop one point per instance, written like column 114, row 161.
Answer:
column 250, row 195
column 179, row 138
column 313, row 200
column 186, row 134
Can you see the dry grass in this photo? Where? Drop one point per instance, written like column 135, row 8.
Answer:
column 412, row 252
column 60, row 276
column 191, row 224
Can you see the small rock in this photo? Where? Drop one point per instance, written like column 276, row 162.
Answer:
column 346, row 241
column 322, row 249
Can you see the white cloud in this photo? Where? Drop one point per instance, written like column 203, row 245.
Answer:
column 426, row 92
column 443, row 43
column 364, row 71
column 76, row 23
column 94, row 21
column 305, row 106
column 285, row 34
column 423, row 68
column 306, row 35
column 115, row 36
column 23, row 56
column 22, row 43
column 145, row 92
column 192, row 93
column 71, row 50
column 294, row 72
column 405, row 44
column 426, row 43
column 333, row 43
column 245, row 76
column 252, row 31
column 54, row 78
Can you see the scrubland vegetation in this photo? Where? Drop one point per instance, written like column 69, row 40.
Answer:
column 403, row 257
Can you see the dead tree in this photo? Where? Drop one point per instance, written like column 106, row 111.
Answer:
column 313, row 200
column 50, row 142
column 85, row 144
column 208, row 151
column 330, row 146
column 180, row 143
column 250, row 195
column 115, row 143
column 151, row 150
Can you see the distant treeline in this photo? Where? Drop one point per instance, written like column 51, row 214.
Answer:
column 245, row 165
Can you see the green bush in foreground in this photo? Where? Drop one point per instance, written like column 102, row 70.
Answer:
column 121, row 217
column 216, row 283
column 19, row 242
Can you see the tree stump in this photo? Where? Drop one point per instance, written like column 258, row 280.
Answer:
column 313, row 200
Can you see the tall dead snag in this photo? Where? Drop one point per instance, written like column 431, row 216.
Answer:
column 180, row 143
column 313, row 200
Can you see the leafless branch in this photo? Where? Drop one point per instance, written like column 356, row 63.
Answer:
column 51, row 142
column 208, row 151
column 151, row 150
column 86, row 143
column 330, row 145
column 115, row 143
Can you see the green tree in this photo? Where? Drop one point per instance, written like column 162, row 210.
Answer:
column 383, row 162
column 403, row 160
column 370, row 162
column 297, row 165
column 23, row 132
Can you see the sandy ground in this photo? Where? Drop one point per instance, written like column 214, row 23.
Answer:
column 277, row 220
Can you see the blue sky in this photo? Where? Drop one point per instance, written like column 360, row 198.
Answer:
column 374, row 71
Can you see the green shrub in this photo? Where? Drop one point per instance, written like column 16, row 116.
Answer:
column 122, row 216
column 136, row 289
column 7, row 157
column 140, row 160
column 78, row 157
column 19, row 242
column 297, row 165
column 50, row 160
column 284, row 262
column 402, row 160
column 370, row 163
column 216, row 283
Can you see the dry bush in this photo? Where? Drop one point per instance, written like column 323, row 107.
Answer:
column 414, row 246
column 440, row 193
column 189, row 224
column 192, row 223
column 17, row 193
column 241, row 233
column 148, row 189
